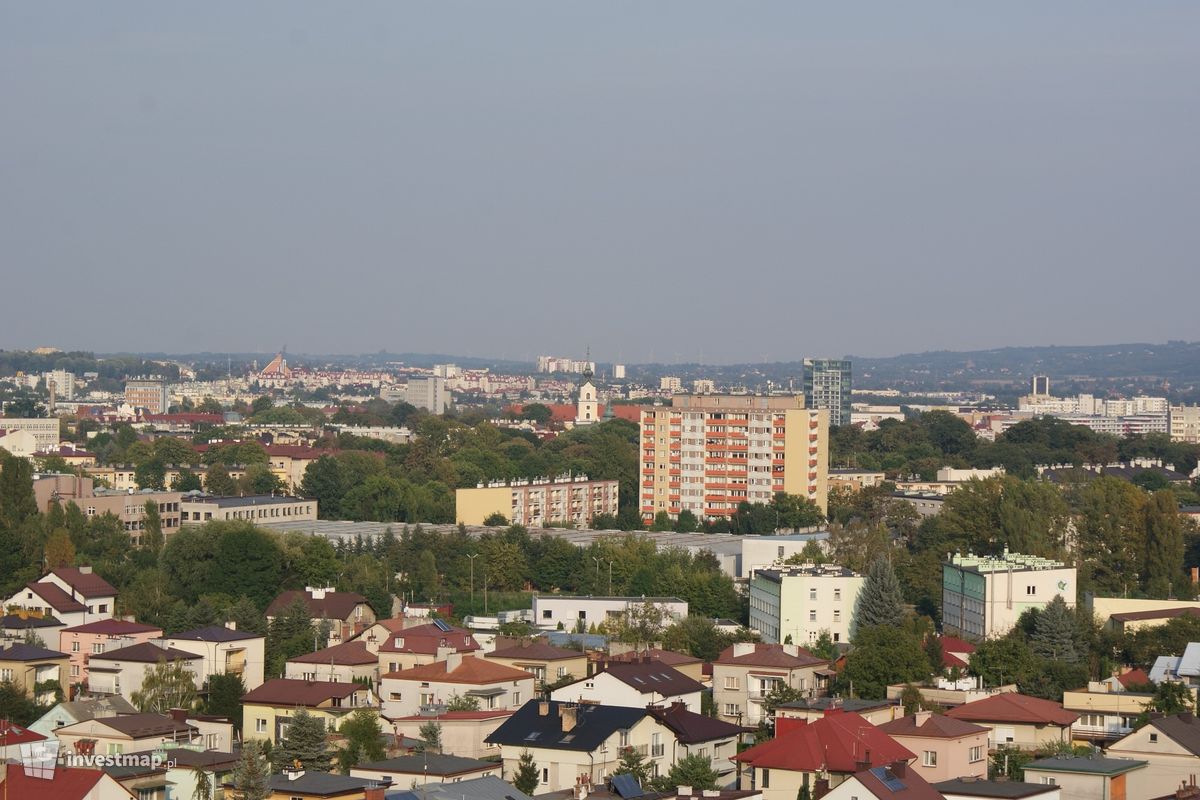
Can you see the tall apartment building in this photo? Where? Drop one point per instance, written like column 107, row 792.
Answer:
column 708, row 453
column 535, row 502
column 670, row 383
column 430, row 394
column 1040, row 386
column 827, row 385
column 62, row 382
column 147, row 393
column 983, row 596
column 43, row 429
column 1185, row 424
column 796, row 603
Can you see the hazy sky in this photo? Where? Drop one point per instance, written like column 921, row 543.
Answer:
column 661, row 180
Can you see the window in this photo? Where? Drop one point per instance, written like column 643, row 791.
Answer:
column 1030, row 590
column 545, row 775
column 1153, row 738
column 516, row 701
column 976, row 754
column 929, row 758
column 731, row 709
column 812, row 615
column 6, row 674
column 812, row 593
column 74, row 647
column 97, row 648
column 104, row 608
column 656, row 745
column 766, row 781
column 74, row 670
column 732, row 682
column 837, row 615
column 837, row 594
column 625, row 738
column 1046, row 779
column 546, row 613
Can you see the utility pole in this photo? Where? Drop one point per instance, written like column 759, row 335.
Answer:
column 610, row 566
column 473, row 557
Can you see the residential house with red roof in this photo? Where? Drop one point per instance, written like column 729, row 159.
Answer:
column 82, row 642
column 1017, row 720
column 422, row 644
column 76, row 596
column 956, row 653
column 898, row 781
column 344, row 663
column 12, row 736
column 267, row 711
column 746, row 672
column 547, row 663
column 410, row 691
column 635, row 684
column 820, row 755
column 122, row 671
column 701, row 735
column 1107, row 709
column 68, row 783
column 348, row 612
column 946, row 747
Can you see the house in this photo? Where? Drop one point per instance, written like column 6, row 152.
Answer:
column 746, row 672
column 1018, row 720
column 28, row 666
column 1107, row 709
column 426, row 768
column 569, row 742
column 126, row 733
column 946, row 747
column 956, row 653
column 224, row 650
column 297, row 784
column 346, row 662
column 464, row 733
column 1127, row 622
column 348, row 612
column 267, row 709
column 69, row 783
column 24, row 626
column 547, row 663
column 13, row 736
column 1184, row 669
column 897, row 781
column 697, row 734
column 876, row 712
column 82, row 642
column 972, row 789
column 423, row 644
column 76, row 596
column 488, row 788
column 406, row 692
column 1093, row 776
column 1170, row 746
column 575, row 612
column 689, row 665
column 634, row 684
column 819, row 754
column 184, row 766
column 122, row 671
column 68, row 713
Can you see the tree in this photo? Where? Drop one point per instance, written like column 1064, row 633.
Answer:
column 203, row 789
column 166, row 685
column 495, row 520
column 218, row 482
column 881, row 601
column 1054, row 633
column 1164, row 545
column 461, row 702
column 258, row 479
column 60, row 550
column 883, row 655
column 17, row 502
column 150, row 474
column 431, row 736
column 641, row 625
column 525, row 779
column 632, row 762
column 187, row 481
column 811, row 553
column 1003, row 661
column 223, row 693
column 793, row 511
column 252, row 776
column 17, row 706
column 692, row 770
column 152, row 536
column 686, row 522
column 363, row 735
column 305, row 743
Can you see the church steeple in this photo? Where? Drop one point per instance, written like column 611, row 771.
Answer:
column 587, row 409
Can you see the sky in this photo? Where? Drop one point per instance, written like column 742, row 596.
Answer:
column 658, row 181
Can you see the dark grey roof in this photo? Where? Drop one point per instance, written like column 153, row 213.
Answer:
column 17, row 622
column 320, row 783
column 430, row 763
column 29, row 652
column 246, row 500
column 1095, row 765
column 528, row 727
column 207, row 758
column 487, row 788
column 1183, row 729
column 1005, row 790
column 214, row 633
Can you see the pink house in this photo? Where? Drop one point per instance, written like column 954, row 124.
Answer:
column 96, row 638
column 946, row 747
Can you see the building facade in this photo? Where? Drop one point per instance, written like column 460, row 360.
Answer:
column 1185, row 424
column 574, row 611
column 827, row 385
column 147, row 393
column 535, row 502
column 983, row 596
column 259, row 509
column 708, row 453
column 796, row 603
column 44, row 430
column 430, row 394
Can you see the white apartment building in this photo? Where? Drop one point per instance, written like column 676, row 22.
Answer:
column 63, row 383
column 43, row 430
column 430, row 394
column 1185, row 424
column 574, row 610
column 795, row 603
column 983, row 596
column 670, row 383
column 618, row 372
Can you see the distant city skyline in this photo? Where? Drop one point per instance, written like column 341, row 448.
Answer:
column 666, row 182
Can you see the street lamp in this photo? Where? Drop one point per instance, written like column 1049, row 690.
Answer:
column 610, row 566
column 473, row 557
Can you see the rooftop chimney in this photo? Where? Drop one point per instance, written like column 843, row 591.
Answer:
column 569, row 716
column 899, row 768
column 921, row 717
column 86, row 569
column 742, row 649
column 543, row 709
column 685, row 791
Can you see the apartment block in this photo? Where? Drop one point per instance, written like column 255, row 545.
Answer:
column 983, row 596
column 827, row 384
column 536, row 501
column 43, row 430
column 430, row 394
column 147, row 393
column 795, row 604
column 708, row 453
column 1185, row 424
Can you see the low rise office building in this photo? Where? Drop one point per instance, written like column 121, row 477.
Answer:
column 984, row 596
column 795, row 604
column 538, row 501
column 261, row 509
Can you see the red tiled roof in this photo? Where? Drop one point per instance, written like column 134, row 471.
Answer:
column 346, row 654
column 536, row 651
column 936, row 726
column 1135, row 677
column 69, row 783
column 334, row 605
column 668, row 657
column 88, row 584
column 949, row 661
column 471, row 670
column 693, row 728
column 566, row 412
column 840, row 741
column 770, row 655
column 426, row 639
column 59, row 600
column 291, row 692
column 952, row 644
column 11, row 734
column 1011, row 707
column 113, row 627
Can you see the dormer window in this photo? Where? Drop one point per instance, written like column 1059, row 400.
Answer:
column 399, row 641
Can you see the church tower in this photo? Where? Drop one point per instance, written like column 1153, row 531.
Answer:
column 587, row 410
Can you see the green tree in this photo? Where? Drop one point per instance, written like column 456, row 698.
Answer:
column 59, row 549
column 431, row 736
column 662, row 522
column 525, row 778
column 1169, row 698
column 17, row 503
column 881, row 601
column 883, row 655
column 150, row 474
column 692, row 770
column 305, row 744
column 17, row 706
column 203, row 789
column 1164, row 545
column 1054, row 633
column 223, row 697
column 152, row 536
column 495, row 520
column 1003, row 661
column 632, row 762
column 166, row 685
column 218, row 482
column 248, row 560
column 252, row 775
column 793, row 511
column 258, row 479
column 324, row 481
column 686, row 522
column 424, row 581
column 363, row 735
column 187, row 481
column 462, row 702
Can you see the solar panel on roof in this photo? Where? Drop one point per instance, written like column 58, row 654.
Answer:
column 888, row 779
column 626, row 786
column 442, row 626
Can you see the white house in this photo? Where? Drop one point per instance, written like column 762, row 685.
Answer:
column 573, row 611
column 496, row 686
column 634, row 684
column 123, row 671
column 223, row 651
column 794, row 604
column 76, row 596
